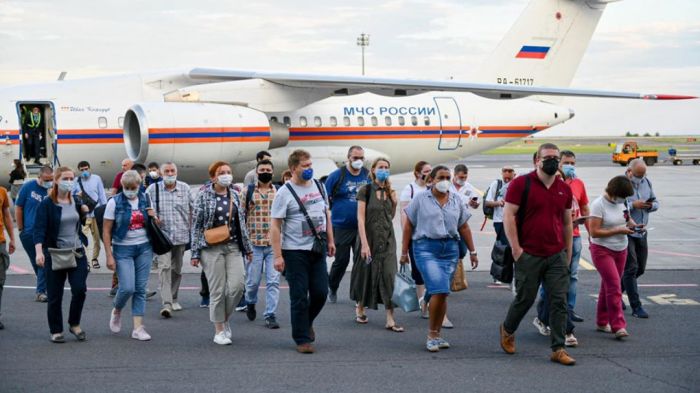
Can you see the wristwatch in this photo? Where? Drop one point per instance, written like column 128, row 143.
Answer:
column 472, row 253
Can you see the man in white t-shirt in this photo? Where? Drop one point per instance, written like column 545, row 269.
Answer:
column 461, row 186
column 300, row 213
column 495, row 199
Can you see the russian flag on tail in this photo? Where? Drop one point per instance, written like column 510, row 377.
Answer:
column 532, row 52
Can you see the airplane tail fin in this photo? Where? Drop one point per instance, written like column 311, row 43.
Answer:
column 546, row 44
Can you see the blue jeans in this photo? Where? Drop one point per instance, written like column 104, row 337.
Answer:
column 262, row 259
column 133, row 268
column 437, row 260
column 27, row 239
column 542, row 306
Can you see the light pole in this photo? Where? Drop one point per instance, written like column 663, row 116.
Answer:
column 363, row 41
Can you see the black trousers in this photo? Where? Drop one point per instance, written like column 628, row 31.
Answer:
column 55, row 280
column 637, row 252
column 308, row 287
column 35, row 144
column 345, row 240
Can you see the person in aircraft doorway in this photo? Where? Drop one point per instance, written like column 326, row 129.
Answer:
column 33, row 134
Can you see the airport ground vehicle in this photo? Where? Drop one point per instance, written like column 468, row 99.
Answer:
column 677, row 157
column 628, row 151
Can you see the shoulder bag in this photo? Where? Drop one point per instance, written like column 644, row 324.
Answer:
column 320, row 245
column 222, row 234
column 161, row 244
column 63, row 258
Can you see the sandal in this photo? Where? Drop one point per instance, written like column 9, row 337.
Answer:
column 95, row 264
column 361, row 319
column 394, row 328
column 81, row 336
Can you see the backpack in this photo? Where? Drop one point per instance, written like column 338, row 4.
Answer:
column 488, row 211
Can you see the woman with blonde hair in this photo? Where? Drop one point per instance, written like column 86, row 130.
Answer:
column 372, row 280
column 219, row 239
column 59, row 244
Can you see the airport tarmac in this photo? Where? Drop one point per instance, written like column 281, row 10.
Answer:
column 658, row 357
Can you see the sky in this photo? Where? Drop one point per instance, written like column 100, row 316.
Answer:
column 647, row 46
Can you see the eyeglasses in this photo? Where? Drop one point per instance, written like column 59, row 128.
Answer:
column 357, row 158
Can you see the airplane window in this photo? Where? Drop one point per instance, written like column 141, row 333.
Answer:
column 346, row 121
column 287, row 121
column 120, row 120
column 414, row 120
column 402, row 121
column 426, row 120
column 360, row 121
column 317, row 121
column 334, row 121
column 387, row 120
column 375, row 122
column 273, row 119
column 102, row 122
column 302, row 121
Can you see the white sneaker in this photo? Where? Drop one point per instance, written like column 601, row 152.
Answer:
column 221, row 339
column 227, row 330
column 115, row 322
column 140, row 334
column 177, row 306
column 571, row 340
column 541, row 328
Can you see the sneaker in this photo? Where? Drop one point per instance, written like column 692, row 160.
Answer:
column 332, row 296
column 241, row 308
column 306, row 348
column 140, row 334
column 622, row 333
column 204, row 303
column 177, row 306
column 250, row 312
column 571, row 340
column 271, row 322
column 423, row 306
column 115, row 322
column 432, row 345
column 560, row 356
column 113, row 292
column 227, row 330
column 221, row 339
column 442, row 343
column 165, row 312
column 604, row 329
column 41, row 297
column 544, row 330
column 640, row 313
column 150, row 294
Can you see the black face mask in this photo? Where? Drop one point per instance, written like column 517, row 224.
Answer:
column 265, row 177
column 550, row 166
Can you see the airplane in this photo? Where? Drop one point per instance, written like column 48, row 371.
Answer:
column 196, row 116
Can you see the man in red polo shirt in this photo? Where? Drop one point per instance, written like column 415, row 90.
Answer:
column 539, row 228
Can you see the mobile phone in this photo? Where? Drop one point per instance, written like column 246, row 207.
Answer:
column 475, row 199
column 368, row 260
column 650, row 200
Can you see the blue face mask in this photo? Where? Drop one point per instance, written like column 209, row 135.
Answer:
column 66, row 185
column 569, row 171
column 382, row 174
column 308, row 174
column 47, row 184
column 85, row 174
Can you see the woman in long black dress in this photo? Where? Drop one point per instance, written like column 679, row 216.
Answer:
column 372, row 280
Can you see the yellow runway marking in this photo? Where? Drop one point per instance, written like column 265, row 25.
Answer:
column 585, row 264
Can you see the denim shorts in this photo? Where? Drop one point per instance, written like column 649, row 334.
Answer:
column 437, row 260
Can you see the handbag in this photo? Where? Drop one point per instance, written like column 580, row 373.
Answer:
column 405, row 295
column 160, row 243
column 63, row 258
column 459, row 280
column 221, row 234
column 320, row 245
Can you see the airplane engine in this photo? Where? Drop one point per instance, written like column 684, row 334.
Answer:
column 195, row 134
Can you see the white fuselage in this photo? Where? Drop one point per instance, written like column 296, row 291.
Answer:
column 435, row 127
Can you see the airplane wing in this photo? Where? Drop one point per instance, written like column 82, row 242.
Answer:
column 343, row 85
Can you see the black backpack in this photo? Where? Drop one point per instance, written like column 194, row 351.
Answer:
column 488, row 211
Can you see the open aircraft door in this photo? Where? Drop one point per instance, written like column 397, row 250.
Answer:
column 47, row 128
column 450, row 123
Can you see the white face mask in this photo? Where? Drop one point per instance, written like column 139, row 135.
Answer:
column 153, row 174
column 460, row 182
column 357, row 164
column 131, row 194
column 225, row 180
column 170, row 180
column 443, row 186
